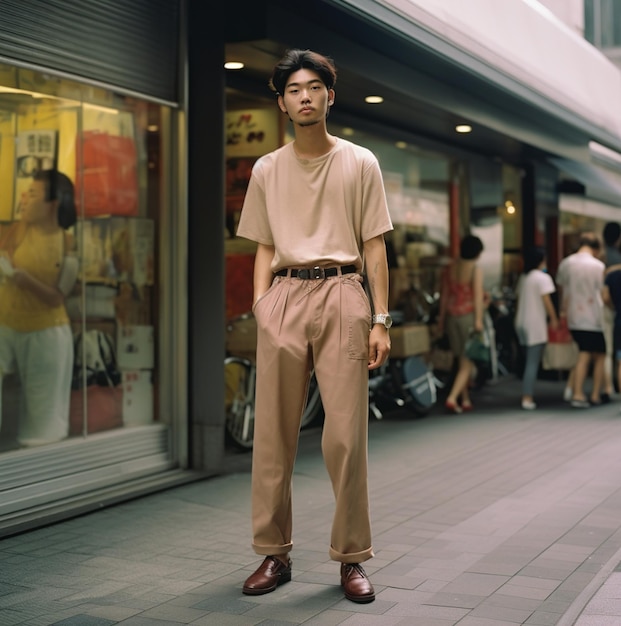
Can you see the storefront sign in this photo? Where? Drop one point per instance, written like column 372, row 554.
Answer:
column 251, row 132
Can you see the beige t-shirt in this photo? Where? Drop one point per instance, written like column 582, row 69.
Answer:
column 315, row 211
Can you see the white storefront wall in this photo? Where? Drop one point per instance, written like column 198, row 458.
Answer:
column 569, row 11
column 528, row 43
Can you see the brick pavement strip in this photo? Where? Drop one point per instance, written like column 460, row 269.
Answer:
column 492, row 518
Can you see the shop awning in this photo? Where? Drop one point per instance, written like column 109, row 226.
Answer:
column 578, row 205
column 598, row 184
column 519, row 46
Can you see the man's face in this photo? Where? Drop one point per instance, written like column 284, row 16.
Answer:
column 306, row 98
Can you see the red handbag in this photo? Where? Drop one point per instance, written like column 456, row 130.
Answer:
column 104, row 406
column 561, row 334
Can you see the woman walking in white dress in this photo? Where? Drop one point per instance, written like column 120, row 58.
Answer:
column 534, row 309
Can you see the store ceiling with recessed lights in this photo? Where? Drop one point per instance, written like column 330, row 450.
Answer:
column 413, row 117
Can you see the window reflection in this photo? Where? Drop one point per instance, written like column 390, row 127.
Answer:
column 35, row 335
column 77, row 314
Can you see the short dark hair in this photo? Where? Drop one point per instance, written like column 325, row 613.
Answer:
column 591, row 240
column 295, row 60
column 471, row 247
column 611, row 233
column 533, row 258
column 58, row 187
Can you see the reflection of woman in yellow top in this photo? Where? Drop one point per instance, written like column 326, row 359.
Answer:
column 35, row 336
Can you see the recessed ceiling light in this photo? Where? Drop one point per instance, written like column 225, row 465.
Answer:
column 463, row 128
column 233, row 65
column 374, row 99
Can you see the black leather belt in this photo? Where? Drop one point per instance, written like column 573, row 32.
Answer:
column 317, row 272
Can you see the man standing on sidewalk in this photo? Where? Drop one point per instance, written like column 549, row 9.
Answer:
column 580, row 278
column 317, row 209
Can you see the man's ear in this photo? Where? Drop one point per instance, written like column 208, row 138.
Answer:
column 281, row 104
column 331, row 96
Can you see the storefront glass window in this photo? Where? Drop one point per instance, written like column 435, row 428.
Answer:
column 417, row 190
column 79, row 211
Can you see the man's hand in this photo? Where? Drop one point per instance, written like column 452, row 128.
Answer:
column 379, row 346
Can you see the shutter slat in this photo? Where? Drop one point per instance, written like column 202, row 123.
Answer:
column 133, row 45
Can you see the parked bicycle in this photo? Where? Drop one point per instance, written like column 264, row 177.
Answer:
column 240, row 374
column 407, row 379
column 407, row 383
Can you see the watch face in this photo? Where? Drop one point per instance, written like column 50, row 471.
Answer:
column 388, row 321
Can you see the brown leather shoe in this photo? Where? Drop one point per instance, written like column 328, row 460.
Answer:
column 271, row 573
column 356, row 584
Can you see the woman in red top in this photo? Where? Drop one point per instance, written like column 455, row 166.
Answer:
column 461, row 312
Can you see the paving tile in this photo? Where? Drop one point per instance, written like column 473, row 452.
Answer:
column 185, row 615
column 459, row 600
column 533, row 593
column 426, row 612
column 222, row 619
column 543, row 618
column 475, row 584
column 429, row 621
column 84, row 620
column 137, row 620
column 113, row 612
column 224, row 605
column 487, row 611
column 482, row 521
column 513, row 602
column 484, row 621
column 537, row 583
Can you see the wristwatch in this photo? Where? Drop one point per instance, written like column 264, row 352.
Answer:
column 383, row 318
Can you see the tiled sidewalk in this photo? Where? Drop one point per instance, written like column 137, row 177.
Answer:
column 603, row 607
column 492, row 518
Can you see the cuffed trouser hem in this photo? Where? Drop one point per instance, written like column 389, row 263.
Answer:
column 355, row 557
column 272, row 550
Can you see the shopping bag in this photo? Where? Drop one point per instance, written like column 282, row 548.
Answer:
column 477, row 348
column 559, row 356
column 561, row 351
column 104, row 407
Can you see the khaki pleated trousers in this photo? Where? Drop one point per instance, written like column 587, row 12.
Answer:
column 304, row 324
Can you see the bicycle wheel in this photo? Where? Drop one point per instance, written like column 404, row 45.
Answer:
column 240, row 376
column 418, row 380
column 313, row 408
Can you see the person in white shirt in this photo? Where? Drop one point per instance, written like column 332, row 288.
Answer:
column 534, row 308
column 580, row 279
